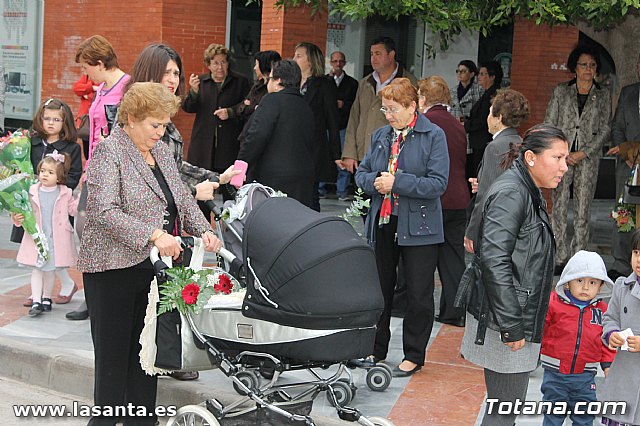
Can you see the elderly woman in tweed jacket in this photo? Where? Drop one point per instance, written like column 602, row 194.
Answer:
column 136, row 201
column 581, row 108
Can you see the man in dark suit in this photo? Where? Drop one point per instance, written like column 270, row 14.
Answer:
column 280, row 133
column 625, row 127
column 347, row 89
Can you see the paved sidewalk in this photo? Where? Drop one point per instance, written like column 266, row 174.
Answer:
column 56, row 353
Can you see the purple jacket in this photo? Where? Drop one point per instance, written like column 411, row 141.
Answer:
column 456, row 197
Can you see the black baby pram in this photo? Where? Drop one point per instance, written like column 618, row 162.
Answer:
column 312, row 301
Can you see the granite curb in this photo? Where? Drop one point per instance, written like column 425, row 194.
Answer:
column 70, row 374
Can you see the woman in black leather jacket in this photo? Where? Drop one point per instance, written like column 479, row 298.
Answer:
column 506, row 288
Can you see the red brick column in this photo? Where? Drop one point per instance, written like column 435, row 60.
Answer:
column 283, row 28
column 188, row 26
column 535, row 49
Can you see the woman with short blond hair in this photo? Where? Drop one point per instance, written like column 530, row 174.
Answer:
column 136, row 201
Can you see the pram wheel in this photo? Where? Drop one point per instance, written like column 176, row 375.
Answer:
column 249, row 379
column 193, row 415
column 378, row 378
column 342, row 393
column 380, row 421
column 349, row 383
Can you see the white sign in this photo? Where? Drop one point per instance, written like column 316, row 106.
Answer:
column 20, row 38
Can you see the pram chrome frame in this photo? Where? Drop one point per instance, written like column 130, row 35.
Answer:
column 271, row 394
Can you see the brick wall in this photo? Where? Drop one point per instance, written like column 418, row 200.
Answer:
column 535, row 50
column 283, row 29
column 189, row 26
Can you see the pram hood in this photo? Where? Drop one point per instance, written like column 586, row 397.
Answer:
column 313, row 271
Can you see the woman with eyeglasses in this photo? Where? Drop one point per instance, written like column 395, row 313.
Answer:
column 405, row 172
column 467, row 92
column 212, row 95
column 581, row 108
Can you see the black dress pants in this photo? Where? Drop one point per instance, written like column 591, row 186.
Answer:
column 451, row 261
column 117, row 301
column 419, row 264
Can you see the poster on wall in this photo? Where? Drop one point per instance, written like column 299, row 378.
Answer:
column 20, row 42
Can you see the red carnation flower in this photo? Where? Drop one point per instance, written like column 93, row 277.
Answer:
column 190, row 293
column 224, row 284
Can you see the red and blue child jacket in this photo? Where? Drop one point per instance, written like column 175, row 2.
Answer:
column 572, row 337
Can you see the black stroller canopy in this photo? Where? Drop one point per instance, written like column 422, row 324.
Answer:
column 314, row 271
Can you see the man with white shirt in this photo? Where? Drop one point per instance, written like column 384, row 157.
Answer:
column 347, row 89
column 365, row 115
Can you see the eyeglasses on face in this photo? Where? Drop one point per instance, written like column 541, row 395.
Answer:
column 585, row 65
column 219, row 64
column 386, row 110
column 462, row 71
column 483, row 73
column 52, row 119
column 338, row 61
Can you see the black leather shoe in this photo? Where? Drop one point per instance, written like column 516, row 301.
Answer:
column 184, row 375
column 77, row 315
column 397, row 372
column 366, row 362
column 457, row 322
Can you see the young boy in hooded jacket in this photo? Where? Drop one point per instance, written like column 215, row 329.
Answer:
column 571, row 342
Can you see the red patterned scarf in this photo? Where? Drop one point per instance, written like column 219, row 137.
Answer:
column 396, row 148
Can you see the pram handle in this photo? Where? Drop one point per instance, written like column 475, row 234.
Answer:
column 159, row 265
column 211, row 205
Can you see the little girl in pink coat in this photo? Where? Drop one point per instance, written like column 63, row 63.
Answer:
column 52, row 204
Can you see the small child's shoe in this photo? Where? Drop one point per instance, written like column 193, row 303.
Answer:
column 46, row 304
column 36, row 309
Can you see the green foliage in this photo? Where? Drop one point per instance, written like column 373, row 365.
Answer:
column 171, row 291
column 358, row 208
column 447, row 18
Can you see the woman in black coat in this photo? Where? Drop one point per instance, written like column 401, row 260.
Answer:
column 262, row 68
column 505, row 289
column 490, row 78
column 321, row 95
column 214, row 139
column 279, row 137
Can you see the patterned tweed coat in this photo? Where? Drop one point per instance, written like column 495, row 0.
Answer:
column 591, row 129
column 125, row 204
